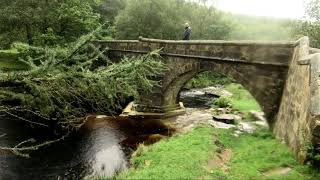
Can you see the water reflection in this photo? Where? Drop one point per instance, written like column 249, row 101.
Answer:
column 101, row 148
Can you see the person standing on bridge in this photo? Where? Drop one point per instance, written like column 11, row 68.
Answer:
column 187, row 32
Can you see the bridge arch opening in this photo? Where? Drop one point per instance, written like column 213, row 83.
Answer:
column 245, row 97
column 211, row 89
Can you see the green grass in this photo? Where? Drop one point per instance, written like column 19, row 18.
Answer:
column 256, row 153
column 180, row 157
column 186, row 157
column 242, row 100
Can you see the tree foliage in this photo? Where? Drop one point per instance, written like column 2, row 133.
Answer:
column 44, row 22
column 311, row 25
column 109, row 9
column 65, row 85
column 164, row 19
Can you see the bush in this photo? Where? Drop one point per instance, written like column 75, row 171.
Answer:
column 222, row 102
column 208, row 78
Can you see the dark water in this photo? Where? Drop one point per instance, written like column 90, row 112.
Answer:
column 101, row 148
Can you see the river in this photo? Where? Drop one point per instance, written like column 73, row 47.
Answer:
column 101, row 148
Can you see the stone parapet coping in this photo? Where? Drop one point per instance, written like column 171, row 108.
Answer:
column 289, row 44
column 223, row 42
column 114, row 41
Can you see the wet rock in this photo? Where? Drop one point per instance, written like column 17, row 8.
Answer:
column 101, row 116
column 192, row 93
column 222, row 110
column 237, row 133
column 246, row 127
column 191, row 119
column 217, row 92
column 262, row 123
column 187, row 128
column 259, row 116
column 128, row 109
column 220, row 125
column 227, row 118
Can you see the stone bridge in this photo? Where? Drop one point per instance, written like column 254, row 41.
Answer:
column 284, row 77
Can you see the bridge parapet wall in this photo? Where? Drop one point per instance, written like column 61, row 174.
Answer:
column 259, row 66
column 278, row 53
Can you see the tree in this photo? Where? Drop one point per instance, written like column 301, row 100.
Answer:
column 164, row 19
column 44, row 22
column 311, row 25
column 109, row 9
column 208, row 22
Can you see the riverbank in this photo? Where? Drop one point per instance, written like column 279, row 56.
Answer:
column 208, row 153
column 211, row 153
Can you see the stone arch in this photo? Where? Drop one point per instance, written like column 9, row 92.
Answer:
column 265, row 83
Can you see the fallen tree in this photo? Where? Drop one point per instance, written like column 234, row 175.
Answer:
column 64, row 86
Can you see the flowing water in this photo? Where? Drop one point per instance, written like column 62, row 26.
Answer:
column 101, row 148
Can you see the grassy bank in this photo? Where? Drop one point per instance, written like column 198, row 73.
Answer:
column 201, row 153
column 241, row 99
column 180, row 157
column 187, row 156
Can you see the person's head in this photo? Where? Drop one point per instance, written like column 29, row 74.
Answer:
column 186, row 25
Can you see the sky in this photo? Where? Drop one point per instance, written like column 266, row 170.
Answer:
column 273, row 8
